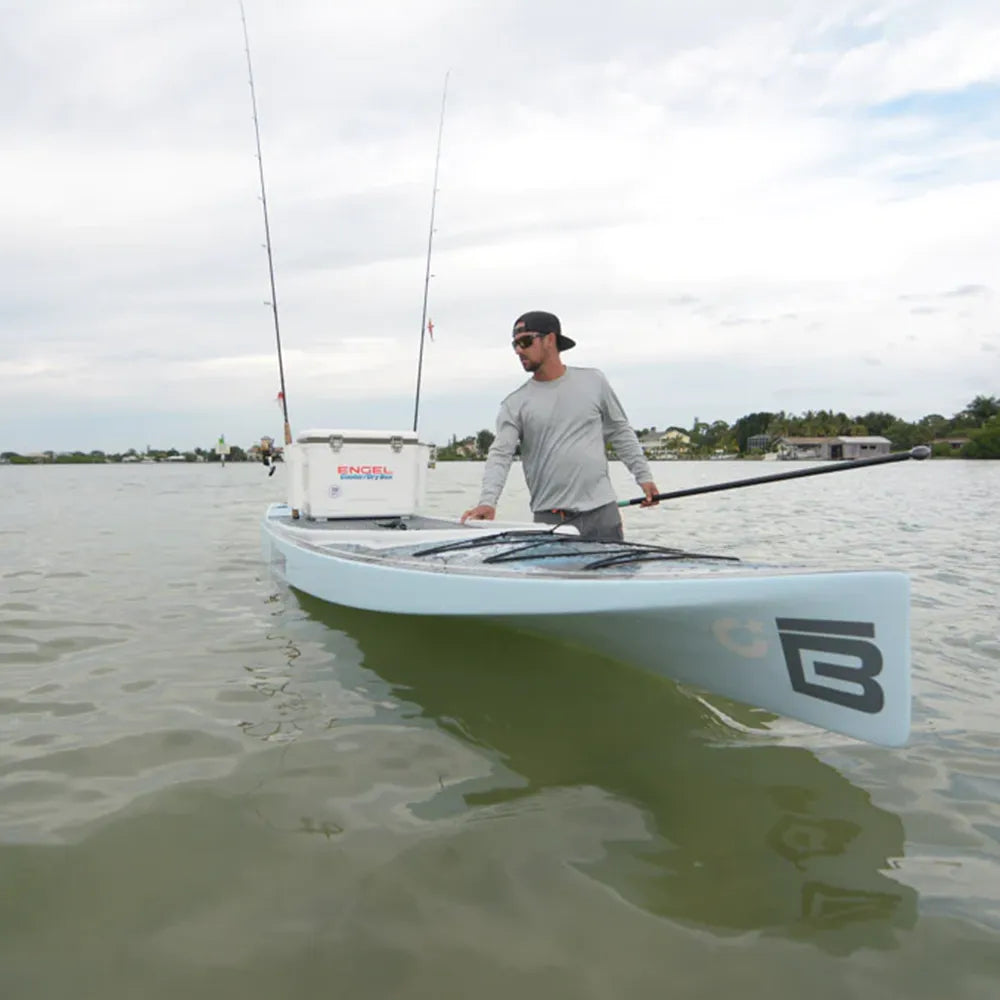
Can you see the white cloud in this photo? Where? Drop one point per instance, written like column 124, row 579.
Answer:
column 687, row 185
column 946, row 58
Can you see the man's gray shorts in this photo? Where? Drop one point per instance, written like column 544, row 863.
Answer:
column 602, row 524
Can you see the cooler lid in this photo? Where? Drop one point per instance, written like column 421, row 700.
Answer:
column 354, row 436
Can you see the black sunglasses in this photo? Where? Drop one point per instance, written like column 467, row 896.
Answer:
column 526, row 340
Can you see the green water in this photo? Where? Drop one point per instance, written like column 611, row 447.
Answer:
column 213, row 786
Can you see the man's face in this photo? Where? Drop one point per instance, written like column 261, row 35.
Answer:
column 531, row 349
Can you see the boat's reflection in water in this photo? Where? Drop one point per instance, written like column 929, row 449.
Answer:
column 744, row 835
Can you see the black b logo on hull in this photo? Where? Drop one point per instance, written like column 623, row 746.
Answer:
column 846, row 639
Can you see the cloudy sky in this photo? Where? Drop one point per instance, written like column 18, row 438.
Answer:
column 733, row 205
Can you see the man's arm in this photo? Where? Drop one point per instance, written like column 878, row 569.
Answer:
column 618, row 432
column 498, row 462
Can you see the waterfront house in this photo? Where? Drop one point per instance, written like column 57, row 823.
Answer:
column 956, row 444
column 819, row 449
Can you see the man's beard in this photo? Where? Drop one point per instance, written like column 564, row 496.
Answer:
column 530, row 366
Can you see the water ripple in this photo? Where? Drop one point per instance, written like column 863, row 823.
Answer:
column 256, row 786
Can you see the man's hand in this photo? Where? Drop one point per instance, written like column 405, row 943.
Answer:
column 484, row 512
column 650, row 490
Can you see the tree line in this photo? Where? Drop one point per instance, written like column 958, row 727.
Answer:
column 95, row 457
column 974, row 432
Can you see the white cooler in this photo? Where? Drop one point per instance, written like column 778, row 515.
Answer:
column 357, row 473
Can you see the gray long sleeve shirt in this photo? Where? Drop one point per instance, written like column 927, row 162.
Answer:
column 562, row 426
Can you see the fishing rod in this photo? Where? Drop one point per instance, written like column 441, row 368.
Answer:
column 267, row 230
column 919, row 453
column 430, row 243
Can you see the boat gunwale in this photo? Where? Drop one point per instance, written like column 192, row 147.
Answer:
column 546, row 574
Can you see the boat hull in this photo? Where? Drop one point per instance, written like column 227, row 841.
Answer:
column 827, row 648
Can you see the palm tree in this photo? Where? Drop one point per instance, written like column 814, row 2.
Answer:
column 981, row 409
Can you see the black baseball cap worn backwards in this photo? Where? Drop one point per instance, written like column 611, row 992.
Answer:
column 542, row 322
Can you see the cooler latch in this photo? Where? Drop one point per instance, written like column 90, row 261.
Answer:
column 396, row 443
column 336, row 442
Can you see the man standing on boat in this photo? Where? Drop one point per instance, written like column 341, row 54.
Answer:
column 562, row 418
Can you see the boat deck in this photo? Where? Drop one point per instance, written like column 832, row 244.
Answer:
column 419, row 542
column 494, row 549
